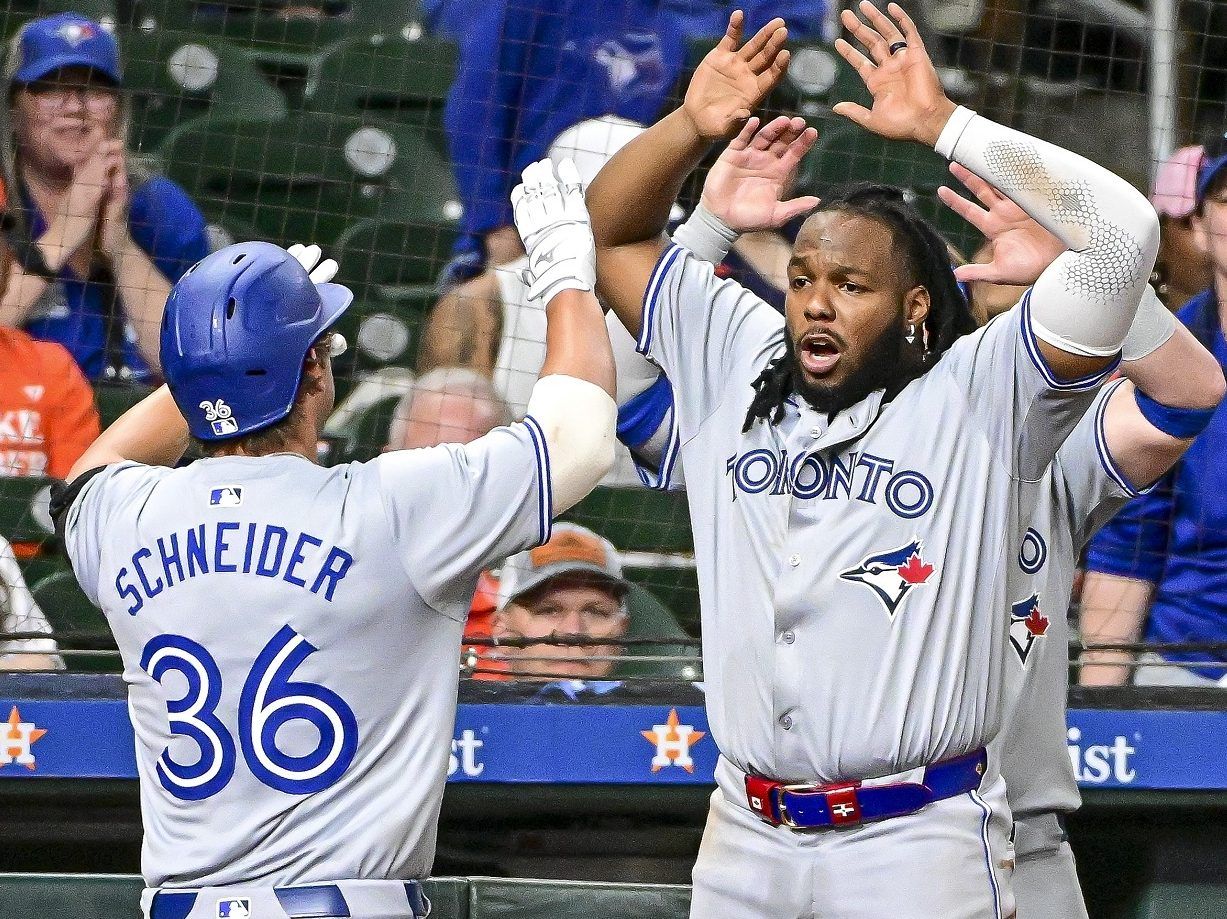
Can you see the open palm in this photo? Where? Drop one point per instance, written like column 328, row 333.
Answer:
column 1022, row 249
column 746, row 186
column 734, row 78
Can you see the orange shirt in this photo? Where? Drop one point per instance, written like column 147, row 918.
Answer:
column 481, row 625
column 47, row 412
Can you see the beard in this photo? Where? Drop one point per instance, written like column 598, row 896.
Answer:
column 887, row 360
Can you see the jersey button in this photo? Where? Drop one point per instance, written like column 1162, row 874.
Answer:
column 788, row 637
column 786, row 722
column 794, row 560
column 815, row 432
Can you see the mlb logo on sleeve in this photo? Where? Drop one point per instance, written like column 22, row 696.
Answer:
column 227, row 496
column 233, row 909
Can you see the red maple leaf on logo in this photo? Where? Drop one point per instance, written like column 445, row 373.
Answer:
column 1037, row 625
column 915, row 571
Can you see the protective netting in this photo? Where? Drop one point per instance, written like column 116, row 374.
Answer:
column 390, row 134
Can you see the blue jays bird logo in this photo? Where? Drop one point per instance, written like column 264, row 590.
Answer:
column 892, row 575
column 1027, row 625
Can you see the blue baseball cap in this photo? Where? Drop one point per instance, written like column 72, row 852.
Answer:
column 66, row 40
column 1212, row 162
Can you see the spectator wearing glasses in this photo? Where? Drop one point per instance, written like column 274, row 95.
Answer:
column 1158, row 570
column 97, row 240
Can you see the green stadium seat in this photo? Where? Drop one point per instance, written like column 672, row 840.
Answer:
column 78, row 625
column 17, row 12
column 506, row 898
column 637, row 519
column 174, row 78
column 360, row 422
column 649, row 618
column 817, row 78
column 394, row 77
column 676, row 585
column 391, row 266
column 1182, row 901
column 23, row 509
column 113, row 399
column 847, row 154
column 307, row 177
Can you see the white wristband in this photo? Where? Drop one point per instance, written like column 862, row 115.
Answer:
column 706, row 235
column 1152, row 326
column 953, row 130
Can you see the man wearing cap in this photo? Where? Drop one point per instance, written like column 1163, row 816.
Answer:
column 572, row 586
column 1183, row 268
column 288, row 631
column 1158, row 571
column 97, row 240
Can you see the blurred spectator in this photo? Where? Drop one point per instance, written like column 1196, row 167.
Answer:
column 97, row 240
column 47, row 413
column 1165, row 553
column 19, row 613
column 530, row 68
column 1183, row 267
column 571, row 586
column 446, row 405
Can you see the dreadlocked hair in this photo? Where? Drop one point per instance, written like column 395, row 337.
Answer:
column 928, row 264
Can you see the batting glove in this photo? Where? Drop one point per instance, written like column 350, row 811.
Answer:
column 553, row 222
column 309, row 258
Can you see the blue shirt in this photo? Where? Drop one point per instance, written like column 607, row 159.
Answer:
column 1176, row 535
column 533, row 68
column 166, row 224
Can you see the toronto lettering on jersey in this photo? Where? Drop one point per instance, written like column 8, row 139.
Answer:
column 227, row 547
column 853, row 476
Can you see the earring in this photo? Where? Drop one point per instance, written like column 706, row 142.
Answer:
column 911, row 333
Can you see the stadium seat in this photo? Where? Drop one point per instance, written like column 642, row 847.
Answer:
column 506, row 898
column 395, row 77
column 637, row 519
column 649, row 618
column 113, row 399
column 390, row 265
column 174, row 78
column 847, row 153
column 360, row 422
column 306, row 177
column 23, row 510
column 817, row 78
column 78, row 625
column 674, row 581
column 17, row 12
column 1181, row 901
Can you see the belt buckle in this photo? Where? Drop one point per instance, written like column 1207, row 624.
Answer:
column 786, row 818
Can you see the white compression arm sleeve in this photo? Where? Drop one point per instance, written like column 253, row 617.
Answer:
column 1084, row 302
column 706, row 235
column 1153, row 325
column 578, row 420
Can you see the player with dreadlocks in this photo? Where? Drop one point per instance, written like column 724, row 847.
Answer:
column 852, row 541
column 896, row 357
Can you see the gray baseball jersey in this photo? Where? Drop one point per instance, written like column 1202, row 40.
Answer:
column 850, row 567
column 1082, row 490
column 289, row 636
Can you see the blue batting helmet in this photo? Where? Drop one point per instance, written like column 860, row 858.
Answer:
column 236, row 330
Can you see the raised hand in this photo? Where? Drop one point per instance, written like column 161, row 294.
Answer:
column 1022, row 249
column 908, row 100
column 734, row 78
column 553, row 221
column 747, row 184
column 113, row 232
column 320, row 272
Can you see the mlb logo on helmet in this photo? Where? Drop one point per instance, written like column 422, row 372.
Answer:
column 227, row 496
column 233, row 909
column 220, row 416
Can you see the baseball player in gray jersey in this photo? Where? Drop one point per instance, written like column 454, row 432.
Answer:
column 1120, row 443
column 289, row 633
column 1113, row 445
column 854, row 495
